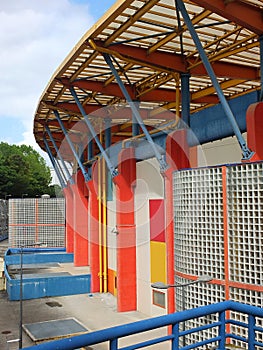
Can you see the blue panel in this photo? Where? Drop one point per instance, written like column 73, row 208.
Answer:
column 3, row 236
column 37, row 286
column 212, row 124
column 37, row 257
column 207, row 125
column 47, row 287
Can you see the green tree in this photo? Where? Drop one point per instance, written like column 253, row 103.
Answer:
column 23, row 171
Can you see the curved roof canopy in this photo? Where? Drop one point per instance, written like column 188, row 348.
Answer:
column 150, row 46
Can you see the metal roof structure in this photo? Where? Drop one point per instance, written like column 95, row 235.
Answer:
column 150, row 47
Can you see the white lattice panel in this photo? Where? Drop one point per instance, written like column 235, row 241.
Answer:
column 198, row 222
column 245, row 225
column 34, row 220
column 219, row 236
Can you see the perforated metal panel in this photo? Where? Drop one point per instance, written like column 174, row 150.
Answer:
column 34, row 220
column 54, row 329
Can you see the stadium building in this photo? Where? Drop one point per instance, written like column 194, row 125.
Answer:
column 153, row 124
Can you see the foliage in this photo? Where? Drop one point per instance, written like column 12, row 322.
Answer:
column 55, row 191
column 23, row 172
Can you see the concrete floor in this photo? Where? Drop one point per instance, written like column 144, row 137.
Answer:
column 94, row 311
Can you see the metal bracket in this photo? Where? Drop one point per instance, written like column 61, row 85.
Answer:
column 84, row 172
column 60, row 178
column 59, row 154
column 136, row 114
column 111, row 168
column 247, row 153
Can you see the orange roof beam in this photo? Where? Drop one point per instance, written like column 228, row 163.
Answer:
column 113, row 89
column 157, row 95
column 103, row 112
column 171, row 62
column 240, row 12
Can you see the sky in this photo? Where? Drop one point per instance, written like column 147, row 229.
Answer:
column 35, row 37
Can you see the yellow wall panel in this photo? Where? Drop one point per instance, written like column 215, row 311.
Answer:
column 158, row 262
column 112, row 278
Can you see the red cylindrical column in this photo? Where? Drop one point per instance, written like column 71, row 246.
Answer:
column 93, row 232
column 69, row 219
column 126, row 239
column 255, row 130
column 80, row 221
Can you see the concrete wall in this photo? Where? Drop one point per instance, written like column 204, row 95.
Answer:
column 226, row 151
column 150, row 185
column 112, row 243
column 2, row 276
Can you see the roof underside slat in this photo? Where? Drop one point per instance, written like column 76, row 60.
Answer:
column 151, row 46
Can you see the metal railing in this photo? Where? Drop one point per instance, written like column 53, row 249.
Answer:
column 223, row 325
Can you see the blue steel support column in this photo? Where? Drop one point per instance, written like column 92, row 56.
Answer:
column 59, row 154
column 90, row 152
column 247, row 153
column 261, row 66
column 90, row 148
column 61, row 171
column 61, row 181
column 80, row 152
column 93, row 133
column 135, row 125
column 185, row 93
column 135, row 112
column 84, row 172
column 107, row 133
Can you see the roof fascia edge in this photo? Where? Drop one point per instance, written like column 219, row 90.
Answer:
column 109, row 15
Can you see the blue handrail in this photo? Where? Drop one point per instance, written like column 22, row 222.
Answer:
column 113, row 334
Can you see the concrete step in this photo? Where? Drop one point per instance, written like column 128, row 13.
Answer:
column 3, row 247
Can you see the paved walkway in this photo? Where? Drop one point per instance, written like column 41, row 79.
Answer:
column 94, row 311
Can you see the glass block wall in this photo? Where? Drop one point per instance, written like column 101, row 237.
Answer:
column 218, row 232
column 198, row 221
column 34, row 220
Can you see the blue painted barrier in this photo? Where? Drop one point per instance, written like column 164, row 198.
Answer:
column 37, row 286
column 3, row 237
column 37, row 256
column 113, row 334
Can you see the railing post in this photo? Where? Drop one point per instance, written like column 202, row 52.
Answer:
column 175, row 341
column 222, row 330
column 114, row 344
column 251, row 332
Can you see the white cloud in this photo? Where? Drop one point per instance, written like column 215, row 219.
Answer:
column 35, row 37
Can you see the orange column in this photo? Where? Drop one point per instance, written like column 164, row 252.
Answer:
column 69, row 219
column 126, row 238
column 93, row 231
column 255, row 130
column 81, row 221
column 177, row 157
